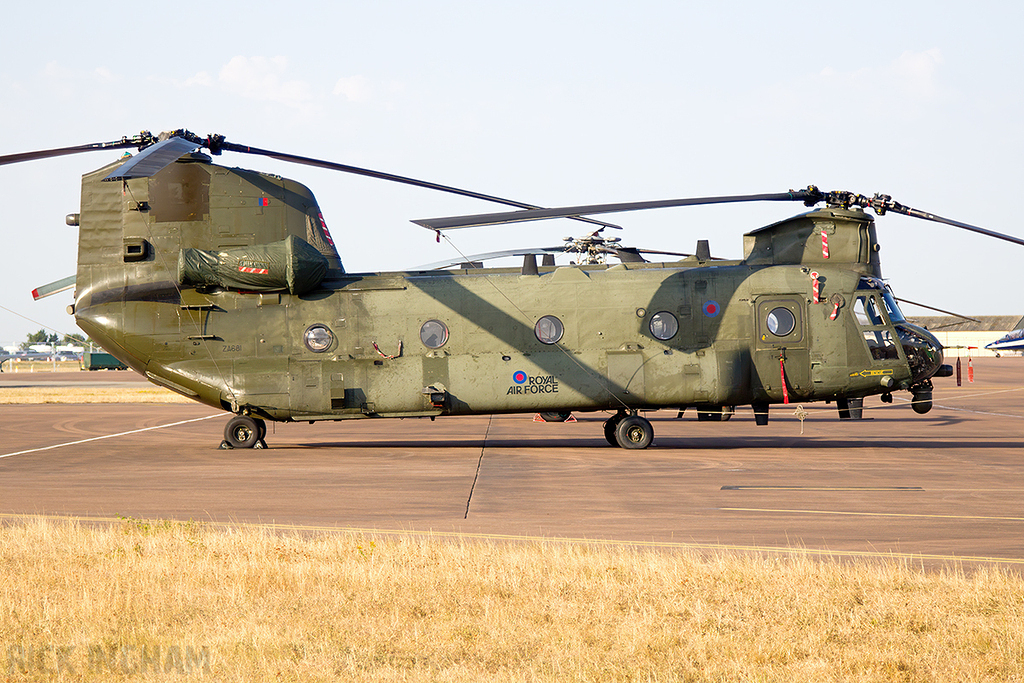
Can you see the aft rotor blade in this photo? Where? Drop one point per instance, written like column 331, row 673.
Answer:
column 153, row 159
column 53, row 288
column 64, row 151
column 590, row 209
column 664, row 253
column 447, row 263
column 380, row 175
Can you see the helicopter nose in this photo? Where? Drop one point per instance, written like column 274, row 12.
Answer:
column 923, row 351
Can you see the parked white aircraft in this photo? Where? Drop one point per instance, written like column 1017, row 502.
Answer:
column 1014, row 341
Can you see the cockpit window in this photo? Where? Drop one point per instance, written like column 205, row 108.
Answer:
column 881, row 344
column 866, row 310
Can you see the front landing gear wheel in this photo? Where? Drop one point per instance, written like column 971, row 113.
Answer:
column 609, row 428
column 634, row 432
column 243, row 431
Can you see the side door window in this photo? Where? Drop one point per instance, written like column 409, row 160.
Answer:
column 780, row 322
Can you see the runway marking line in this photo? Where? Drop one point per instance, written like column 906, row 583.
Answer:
column 875, row 514
column 816, row 552
column 107, row 436
column 822, row 488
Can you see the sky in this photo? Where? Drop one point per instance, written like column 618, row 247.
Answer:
column 554, row 103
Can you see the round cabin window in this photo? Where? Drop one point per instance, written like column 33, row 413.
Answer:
column 318, row 338
column 549, row 329
column 433, row 334
column 781, row 322
column 664, row 325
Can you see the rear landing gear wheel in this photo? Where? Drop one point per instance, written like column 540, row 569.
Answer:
column 555, row 417
column 634, row 432
column 715, row 413
column 852, row 408
column 243, row 431
column 609, row 428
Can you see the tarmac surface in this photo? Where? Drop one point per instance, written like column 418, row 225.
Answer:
column 935, row 487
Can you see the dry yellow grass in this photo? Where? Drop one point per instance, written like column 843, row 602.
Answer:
column 142, row 600
column 144, row 393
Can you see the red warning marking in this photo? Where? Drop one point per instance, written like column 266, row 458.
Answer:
column 538, row 418
column 327, row 233
column 782, row 371
column 824, row 244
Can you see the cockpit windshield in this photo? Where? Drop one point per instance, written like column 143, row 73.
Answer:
column 895, row 314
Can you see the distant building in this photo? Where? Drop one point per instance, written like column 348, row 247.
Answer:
column 956, row 334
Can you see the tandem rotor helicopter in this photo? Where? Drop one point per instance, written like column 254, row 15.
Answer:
column 225, row 285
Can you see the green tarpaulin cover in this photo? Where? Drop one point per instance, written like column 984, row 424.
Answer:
column 291, row 264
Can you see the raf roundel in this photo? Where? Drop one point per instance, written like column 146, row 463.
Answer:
column 711, row 309
column 519, row 377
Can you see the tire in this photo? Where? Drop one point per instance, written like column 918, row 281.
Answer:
column 634, row 432
column 609, row 428
column 242, row 431
column 850, row 408
column 715, row 413
column 555, row 417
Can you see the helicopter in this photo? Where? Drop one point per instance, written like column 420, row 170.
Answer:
column 225, row 285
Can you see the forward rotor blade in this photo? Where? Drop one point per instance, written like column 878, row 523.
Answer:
column 937, row 310
column 380, row 175
column 451, row 223
column 64, row 151
column 906, row 210
column 883, row 202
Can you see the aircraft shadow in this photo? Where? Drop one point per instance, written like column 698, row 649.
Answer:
column 771, row 443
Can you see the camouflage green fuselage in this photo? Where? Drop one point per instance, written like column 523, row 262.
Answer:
column 245, row 351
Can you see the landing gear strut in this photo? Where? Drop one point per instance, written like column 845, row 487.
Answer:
column 922, row 393
column 628, row 430
column 243, row 431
